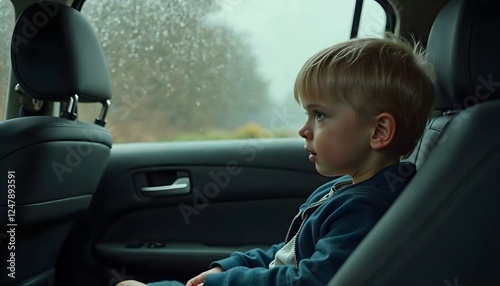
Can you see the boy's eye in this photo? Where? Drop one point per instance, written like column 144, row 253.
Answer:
column 319, row 115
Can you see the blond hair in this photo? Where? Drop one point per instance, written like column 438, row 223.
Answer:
column 373, row 76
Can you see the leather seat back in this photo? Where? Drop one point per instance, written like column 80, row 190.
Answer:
column 464, row 50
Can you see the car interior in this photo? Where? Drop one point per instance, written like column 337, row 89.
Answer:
column 90, row 211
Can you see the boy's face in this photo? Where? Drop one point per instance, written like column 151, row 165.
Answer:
column 338, row 143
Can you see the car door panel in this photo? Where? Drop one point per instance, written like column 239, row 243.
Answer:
column 215, row 233
column 237, row 195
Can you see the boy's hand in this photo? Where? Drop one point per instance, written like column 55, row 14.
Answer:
column 130, row 283
column 200, row 278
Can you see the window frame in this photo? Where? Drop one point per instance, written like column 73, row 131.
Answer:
column 390, row 16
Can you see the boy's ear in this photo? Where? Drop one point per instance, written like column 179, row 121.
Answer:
column 383, row 132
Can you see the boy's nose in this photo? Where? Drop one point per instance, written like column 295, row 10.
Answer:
column 305, row 132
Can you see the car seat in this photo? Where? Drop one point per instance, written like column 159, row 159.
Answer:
column 51, row 166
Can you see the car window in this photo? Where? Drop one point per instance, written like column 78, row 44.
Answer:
column 7, row 19
column 373, row 20
column 190, row 70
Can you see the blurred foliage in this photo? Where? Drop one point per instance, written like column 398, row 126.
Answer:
column 174, row 70
column 249, row 130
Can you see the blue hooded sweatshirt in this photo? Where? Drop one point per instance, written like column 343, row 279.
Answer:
column 329, row 226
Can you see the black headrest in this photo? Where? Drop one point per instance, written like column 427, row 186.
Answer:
column 56, row 53
column 464, row 47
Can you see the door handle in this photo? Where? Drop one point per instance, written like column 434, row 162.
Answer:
column 181, row 186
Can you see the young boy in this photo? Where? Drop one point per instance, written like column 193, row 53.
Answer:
column 367, row 102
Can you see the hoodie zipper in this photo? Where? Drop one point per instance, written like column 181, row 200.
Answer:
column 303, row 216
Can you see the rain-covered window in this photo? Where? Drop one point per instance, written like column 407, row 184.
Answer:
column 217, row 69
column 7, row 20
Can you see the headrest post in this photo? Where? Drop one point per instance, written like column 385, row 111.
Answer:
column 19, row 90
column 70, row 111
column 101, row 120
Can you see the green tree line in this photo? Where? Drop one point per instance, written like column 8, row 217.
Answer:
column 174, row 71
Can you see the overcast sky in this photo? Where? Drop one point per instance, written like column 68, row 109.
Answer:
column 285, row 33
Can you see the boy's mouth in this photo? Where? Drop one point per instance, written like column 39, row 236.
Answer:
column 312, row 155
